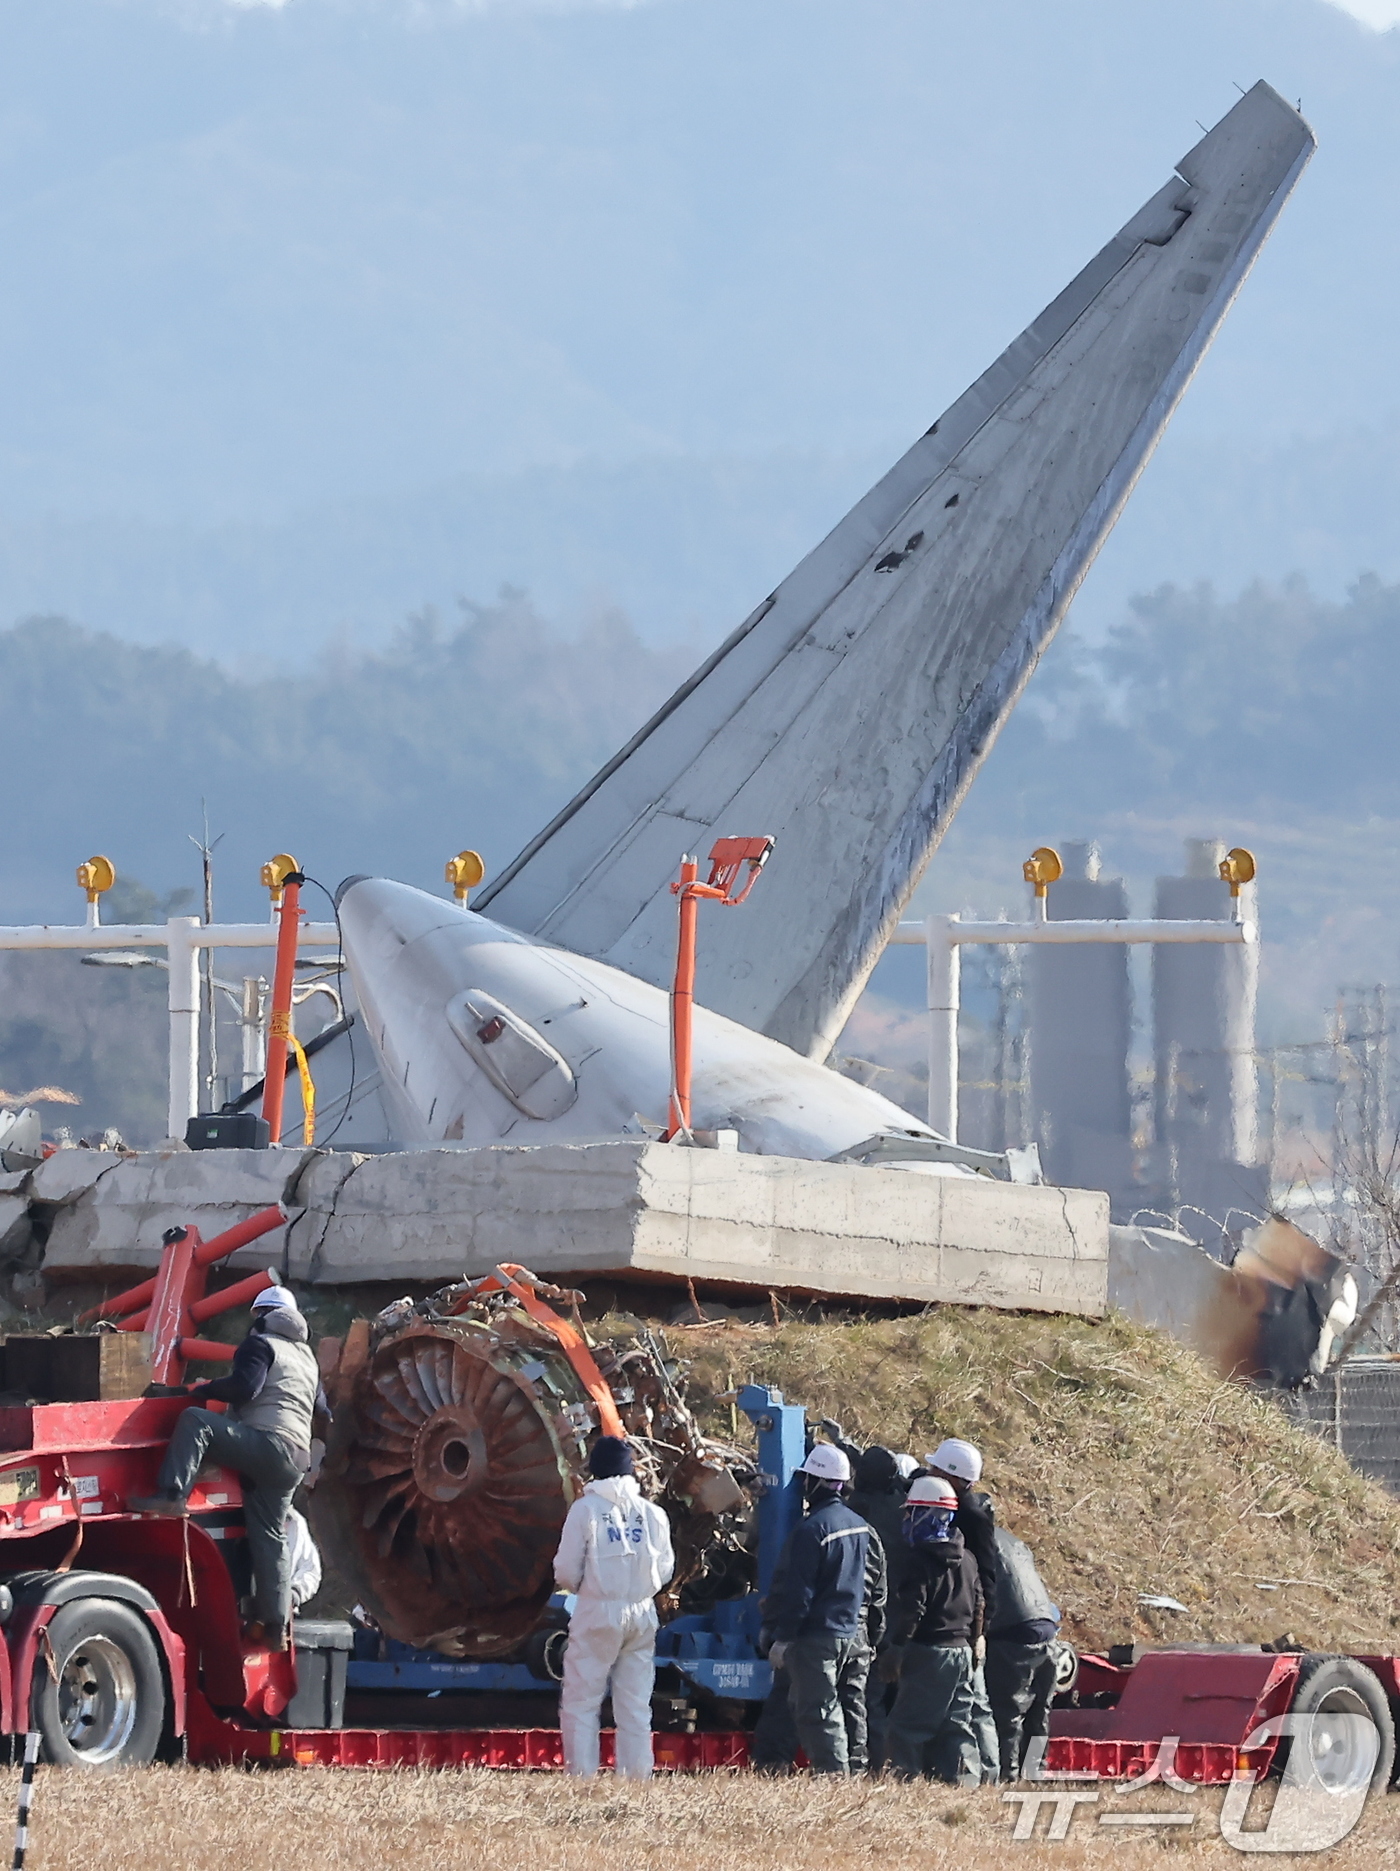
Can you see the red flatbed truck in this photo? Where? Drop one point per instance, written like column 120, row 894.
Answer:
column 122, row 1639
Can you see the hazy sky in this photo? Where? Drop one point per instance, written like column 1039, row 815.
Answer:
column 1377, row 13
column 303, row 300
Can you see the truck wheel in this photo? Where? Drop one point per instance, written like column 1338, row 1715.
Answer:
column 1340, row 1686
column 544, row 1654
column 1066, row 1666
column 98, row 1698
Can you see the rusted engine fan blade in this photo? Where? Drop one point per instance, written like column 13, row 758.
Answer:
column 449, row 1473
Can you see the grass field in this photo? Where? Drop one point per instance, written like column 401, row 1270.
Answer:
column 185, row 1819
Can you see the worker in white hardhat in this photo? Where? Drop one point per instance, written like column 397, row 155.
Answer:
column 959, row 1463
column 934, row 1627
column 615, row 1556
column 816, row 1609
column 271, row 1391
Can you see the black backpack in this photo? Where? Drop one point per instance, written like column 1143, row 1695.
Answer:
column 1021, row 1593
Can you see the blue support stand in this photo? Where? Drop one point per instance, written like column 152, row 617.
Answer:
column 782, row 1448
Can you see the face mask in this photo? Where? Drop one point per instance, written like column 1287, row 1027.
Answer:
column 928, row 1526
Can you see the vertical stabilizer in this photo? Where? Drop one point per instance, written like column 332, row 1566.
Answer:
column 848, row 715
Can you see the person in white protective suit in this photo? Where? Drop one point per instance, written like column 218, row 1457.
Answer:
column 303, row 1560
column 615, row 1554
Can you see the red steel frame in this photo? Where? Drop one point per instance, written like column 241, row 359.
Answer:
column 727, row 859
column 171, row 1304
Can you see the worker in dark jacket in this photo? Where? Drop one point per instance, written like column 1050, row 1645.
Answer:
column 815, row 1609
column 774, row 1743
column 271, row 1391
column 879, row 1499
column 855, row 1685
column 1020, row 1666
column 959, row 1463
column 933, row 1628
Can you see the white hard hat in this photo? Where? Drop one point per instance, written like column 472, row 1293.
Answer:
column 956, row 1457
column 930, row 1491
column 907, row 1465
column 826, row 1463
column 272, row 1296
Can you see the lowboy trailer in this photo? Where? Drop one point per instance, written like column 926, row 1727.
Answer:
column 121, row 1641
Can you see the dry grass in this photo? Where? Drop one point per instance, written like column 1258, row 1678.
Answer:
column 196, row 1820
column 1122, row 1460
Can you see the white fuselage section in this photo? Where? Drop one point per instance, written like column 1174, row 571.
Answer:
column 485, row 1035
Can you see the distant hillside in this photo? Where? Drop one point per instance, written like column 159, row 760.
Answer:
column 1266, row 719
column 470, row 730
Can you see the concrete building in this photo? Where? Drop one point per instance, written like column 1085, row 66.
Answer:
column 1205, row 1079
column 1080, row 1032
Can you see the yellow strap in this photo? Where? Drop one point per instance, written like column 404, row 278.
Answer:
column 308, row 1091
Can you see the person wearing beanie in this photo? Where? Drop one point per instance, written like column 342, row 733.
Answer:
column 878, row 1498
column 271, row 1393
column 614, row 1556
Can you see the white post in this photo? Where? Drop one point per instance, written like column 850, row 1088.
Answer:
column 182, row 952
column 254, row 1030
column 944, row 983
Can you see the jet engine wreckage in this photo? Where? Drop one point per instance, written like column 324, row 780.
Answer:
column 462, row 1424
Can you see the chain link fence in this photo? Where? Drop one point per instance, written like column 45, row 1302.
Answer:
column 1356, row 1407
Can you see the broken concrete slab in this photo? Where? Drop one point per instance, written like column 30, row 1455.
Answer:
column 845, row 1229
column 634, row 1209
column 1163, row 1278
column 115, row 1227
column 16, row 1228
column 68, row 1175
column 317, row 1196
column 14, row 1181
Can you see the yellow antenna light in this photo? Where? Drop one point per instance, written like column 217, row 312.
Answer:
column 276, row 872
column 464, row 873
column 1237, row 868
column 1042, row 868
column 97, row 875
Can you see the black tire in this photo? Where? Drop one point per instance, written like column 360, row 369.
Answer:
column 1339, row 1685
column 102, row 1703
column 544, row 1653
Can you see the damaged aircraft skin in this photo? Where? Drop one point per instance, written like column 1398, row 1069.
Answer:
column 484, row 1035
column 849, row 714
column 846, row 718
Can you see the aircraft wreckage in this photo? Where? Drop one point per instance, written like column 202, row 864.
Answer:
column 845, row 719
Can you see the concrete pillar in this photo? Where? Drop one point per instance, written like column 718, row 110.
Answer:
column 1205, row 1096
column 1080, row 1029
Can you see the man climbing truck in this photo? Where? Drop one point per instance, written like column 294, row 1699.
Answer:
column 270, row 1395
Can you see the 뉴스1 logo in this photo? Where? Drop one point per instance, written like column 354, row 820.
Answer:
column 1320, row 1797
